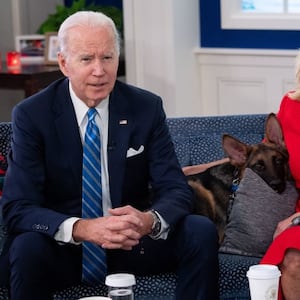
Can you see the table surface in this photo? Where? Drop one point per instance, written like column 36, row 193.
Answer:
column 30, row 78
column 28, row 69
column 32, row 69
column 33, row 77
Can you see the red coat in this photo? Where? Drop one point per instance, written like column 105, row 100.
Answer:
column 288, row 116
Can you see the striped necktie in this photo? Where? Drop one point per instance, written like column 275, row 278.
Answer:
column 93, row 256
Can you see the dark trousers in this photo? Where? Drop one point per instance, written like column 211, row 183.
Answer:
column 37, row 265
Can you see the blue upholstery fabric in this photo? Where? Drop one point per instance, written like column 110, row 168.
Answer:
column 196, row 140
column 199, row 139
column 5, row 134
column 233, row 283
column 5, row 137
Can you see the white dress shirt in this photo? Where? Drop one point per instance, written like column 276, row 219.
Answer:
column 64, row 233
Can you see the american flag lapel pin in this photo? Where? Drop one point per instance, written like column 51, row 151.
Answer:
column 123, row 122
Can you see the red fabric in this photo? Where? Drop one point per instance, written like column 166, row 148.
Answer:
column 285, row 240
column 288, row 116
column 276, row 251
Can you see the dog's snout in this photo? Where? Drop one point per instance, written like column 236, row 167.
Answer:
column 278, row 186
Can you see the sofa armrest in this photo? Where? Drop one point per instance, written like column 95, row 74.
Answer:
column 191, row 170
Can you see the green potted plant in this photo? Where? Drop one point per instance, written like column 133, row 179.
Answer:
column 52, row 23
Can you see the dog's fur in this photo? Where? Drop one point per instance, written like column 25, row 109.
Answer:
column 213, row 187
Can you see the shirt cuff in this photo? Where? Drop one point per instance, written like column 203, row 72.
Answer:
column 65, row 230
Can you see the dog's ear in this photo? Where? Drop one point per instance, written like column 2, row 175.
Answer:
column 273, row 131
column 236, row 150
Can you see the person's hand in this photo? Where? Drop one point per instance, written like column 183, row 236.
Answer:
column 121, row 230
column 145, row 219
column 284, row 224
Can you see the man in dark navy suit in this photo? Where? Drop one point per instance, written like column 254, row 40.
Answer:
column 42, row 198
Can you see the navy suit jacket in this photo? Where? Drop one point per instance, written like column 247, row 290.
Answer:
column 43, row 181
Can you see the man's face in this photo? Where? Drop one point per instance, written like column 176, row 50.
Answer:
column 91, row 63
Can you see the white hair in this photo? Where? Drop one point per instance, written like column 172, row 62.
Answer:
column 296, row 95
column 85, row 18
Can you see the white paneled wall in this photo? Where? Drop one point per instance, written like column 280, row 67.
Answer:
column 243, row 81
column 164, row 56
column 159, row 40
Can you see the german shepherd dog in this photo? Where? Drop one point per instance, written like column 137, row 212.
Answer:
column 214, row 188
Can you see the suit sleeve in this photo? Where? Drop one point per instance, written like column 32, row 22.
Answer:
column 24, row 202
column 172, row 194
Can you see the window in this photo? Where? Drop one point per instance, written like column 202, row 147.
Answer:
column 212, row 35
column 270, row 6
column 260, row 14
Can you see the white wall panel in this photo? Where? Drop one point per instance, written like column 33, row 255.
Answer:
column 159, row 47
column 245, row 96
column 239, row 81
column 163, row 56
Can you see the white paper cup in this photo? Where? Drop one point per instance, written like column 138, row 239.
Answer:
column 95, row 298
column 263, row 282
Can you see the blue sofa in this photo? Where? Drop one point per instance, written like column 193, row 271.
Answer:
column 196, row 140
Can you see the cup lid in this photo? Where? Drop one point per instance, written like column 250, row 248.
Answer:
column 263, row 271
column 120, row 280
column 95, row 298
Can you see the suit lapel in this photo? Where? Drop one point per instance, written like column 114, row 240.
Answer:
column 68, row 132
column 120, row 124
column 119, row 128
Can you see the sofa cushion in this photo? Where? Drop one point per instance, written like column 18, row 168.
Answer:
column 204, row 149
column 249, row 231
column 182, row 149
column 208, row 148
column 199, row 139
column 217, row 125
column 5, row 137
column 233, row 283
column 161, row 286
column 186, row 133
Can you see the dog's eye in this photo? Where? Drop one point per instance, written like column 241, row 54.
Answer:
column 279, row 161
column 259, row 166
